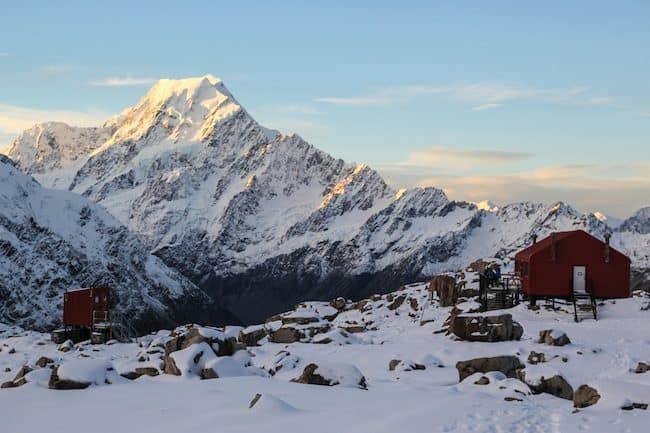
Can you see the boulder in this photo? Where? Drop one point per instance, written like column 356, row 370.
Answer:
column 553, row 337
column 252, row 335
column 641, row 367
column 331, row 375
column 506, row 364
column 170, row 366
column 43, row 361
column 397, row 302
column 141, row 371
column 398, row 364
column 66, row 346
column 555, row 385
column 254, row 401
column 57, row 383
column 478, row 266
column 536, row 357
column 485, row 328
column 585, row 396
column 445, row 287
column 483, row 380
column 338, row 303
column 209, row 373
column 286, row 335
column 221, row 345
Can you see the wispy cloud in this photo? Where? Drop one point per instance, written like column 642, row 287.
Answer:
column 15, row 119
column 481, row 95
column 617, row 189
column 445, row 158
column 484, row 107
column 122, row 81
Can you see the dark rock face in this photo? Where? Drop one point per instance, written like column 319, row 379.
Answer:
column 507, row 365
column 286, row 335
column 585, row 396
column 252, row 337
column 485, row 328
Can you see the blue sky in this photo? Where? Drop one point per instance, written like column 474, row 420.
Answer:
column 500, row 100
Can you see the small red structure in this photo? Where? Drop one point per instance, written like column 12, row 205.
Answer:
column 86, row 314
column 86, row 307
column 573, row 263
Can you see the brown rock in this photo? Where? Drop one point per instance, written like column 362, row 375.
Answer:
column 641, row 367
column 585, row 396
column 43, row 361
column 478, row 266
column 393, row 363
column 414, row 304
column 397, row 302
column 445, row 287
column 483, row 380
column 555, row 385
column 286, row 335
column 507, row 365
column 209, row 373
column 252, row 337
column 58, row 383
column 338, row 303
column 546, row 337
column 536, row 357
column 485, row 328
column 170, row 366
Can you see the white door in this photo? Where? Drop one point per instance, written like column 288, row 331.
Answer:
column 580, row 279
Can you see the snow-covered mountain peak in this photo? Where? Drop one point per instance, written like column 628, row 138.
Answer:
column 186, row 109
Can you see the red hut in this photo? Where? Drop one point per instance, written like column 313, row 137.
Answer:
column 86, row 307
column 571, row 264
column 86, row 314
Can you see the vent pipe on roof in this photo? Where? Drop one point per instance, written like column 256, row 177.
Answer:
column 607, row 236
column 553, row 247
column 534, row 238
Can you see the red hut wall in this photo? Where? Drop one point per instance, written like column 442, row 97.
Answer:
column 78, row 305
column 554, row 278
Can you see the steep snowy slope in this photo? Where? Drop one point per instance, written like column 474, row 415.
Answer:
column 262, row 220
column 52, row 240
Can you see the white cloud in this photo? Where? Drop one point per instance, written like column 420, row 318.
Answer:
column 486, row 94
column 484, row 107
column 444, row 158
column 15, row 119
column 617, row 189
column 122, row 81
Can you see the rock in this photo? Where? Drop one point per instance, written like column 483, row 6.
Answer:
column 226, row 346
column 299, row 320
column 397, row 302
column 555, row 385
column 478, row 266
column 338, row 303
column 585, row 396
column 414, row 304
column 393, row 363
column 66, row 346
column 353, row 329
column 506, row 364
column 512, row 399
column 361, row 305
column 641, row 367
column 536, row 357
column 209, row 373
column 286, row 335
column 43, row 361
column 485, row 328
column 342, row 374
column 553, row 337
column 12, row 351
column 445, row 287
column 483, row 380
column 251, row 336
column 57, row 383
column 141, row 371
column 170, row 366
column 254, row 400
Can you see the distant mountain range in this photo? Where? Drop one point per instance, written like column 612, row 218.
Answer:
column 260, row 220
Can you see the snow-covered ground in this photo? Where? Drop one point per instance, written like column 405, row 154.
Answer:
column 365, row 337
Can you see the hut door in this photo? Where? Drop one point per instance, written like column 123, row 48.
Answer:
column 579, row 279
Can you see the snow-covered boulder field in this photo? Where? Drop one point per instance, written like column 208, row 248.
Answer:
column 384, row 364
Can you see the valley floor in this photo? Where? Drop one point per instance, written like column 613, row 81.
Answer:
column 603, row 354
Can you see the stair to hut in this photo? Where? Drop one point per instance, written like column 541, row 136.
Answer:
column 584, row 307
